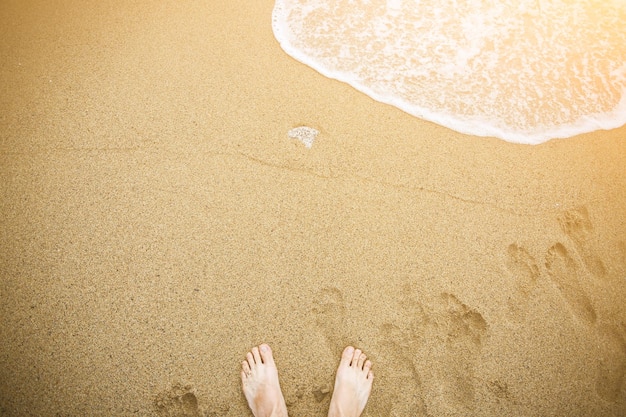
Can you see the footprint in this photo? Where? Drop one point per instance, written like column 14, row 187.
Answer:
column 523, row 267
column 179, row 401
column 500, row 390
column 525, row 272
column 577, row 225
column 444, row 342
column 465, row 327
column 330, row 309
column 612, row 364
column 463, row 330
column 401, row 347
column 564, row 275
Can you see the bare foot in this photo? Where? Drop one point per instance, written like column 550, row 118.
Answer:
column 353, row 384
column 259, row 378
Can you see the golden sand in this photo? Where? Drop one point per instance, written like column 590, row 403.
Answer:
column 156, row 221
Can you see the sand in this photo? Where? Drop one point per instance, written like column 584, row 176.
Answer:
column 157, row 221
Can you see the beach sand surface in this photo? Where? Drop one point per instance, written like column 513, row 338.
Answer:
column 157, row 221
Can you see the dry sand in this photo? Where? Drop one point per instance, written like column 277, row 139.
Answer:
column 156, row 221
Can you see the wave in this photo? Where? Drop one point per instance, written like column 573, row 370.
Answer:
column 524, row 71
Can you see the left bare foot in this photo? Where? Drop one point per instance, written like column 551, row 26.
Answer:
column 259, row 378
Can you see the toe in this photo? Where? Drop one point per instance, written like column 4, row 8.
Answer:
column 355, row 357
column 256, row 355
column 367, row 366
column 346, row 356
column 266, row 354
column 245, row 368
column 361, row 361
column 250, row 359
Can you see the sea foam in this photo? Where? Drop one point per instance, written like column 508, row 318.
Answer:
column 525, row 71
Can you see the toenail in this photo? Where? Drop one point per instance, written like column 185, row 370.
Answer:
column 264, row 348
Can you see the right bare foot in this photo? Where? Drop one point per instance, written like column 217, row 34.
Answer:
column 353, row 384
column 259, row 378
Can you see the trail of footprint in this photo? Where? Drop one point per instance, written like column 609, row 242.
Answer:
column 446, row 374
column 525, row 273
column 463, row 330
column 329, row 309
column 465, row 327
column 612, row 364
column 179, row 401
column 400, row 371
column 523, row 267
column 577, row 225
column 564, row 275
column 403, row 343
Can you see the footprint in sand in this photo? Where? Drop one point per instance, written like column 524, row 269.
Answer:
column 612, row 364
column 465, row 327
column 446, row 374
column 577, row 225
column 523, row 267
column 463, row 330
column 179, row 401
column 330, row 309
column 402, row 343
column 564, row 274
column 399, row 370
column 525, row 272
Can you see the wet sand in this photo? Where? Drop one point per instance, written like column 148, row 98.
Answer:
column 156, row 221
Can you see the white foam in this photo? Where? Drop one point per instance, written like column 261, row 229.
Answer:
column 525, row 71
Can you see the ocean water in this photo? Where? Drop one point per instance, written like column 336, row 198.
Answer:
column 525, row 71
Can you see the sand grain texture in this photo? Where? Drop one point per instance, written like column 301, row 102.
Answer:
column 156, row 221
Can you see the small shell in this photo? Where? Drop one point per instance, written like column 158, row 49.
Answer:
column 304, row 134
